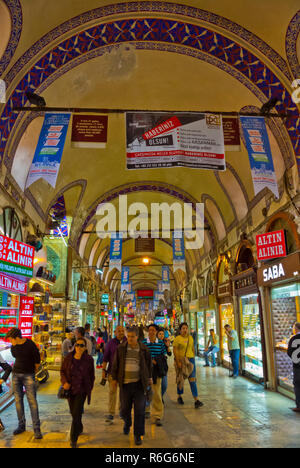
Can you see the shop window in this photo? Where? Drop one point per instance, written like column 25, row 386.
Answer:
column 10, row 224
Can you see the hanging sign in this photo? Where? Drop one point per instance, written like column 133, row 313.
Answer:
column 178, row 252
column 271, row 245
column 125, row 283
column 166, row 278
column 16, row 258
column 231, row 131
column 156, row 140
column 12, row 285
column 26, row 316
column 49, row 150
column 115, row 257
column 260, row 156
column 89, row 131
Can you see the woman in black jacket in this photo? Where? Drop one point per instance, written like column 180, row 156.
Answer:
column 7, row 371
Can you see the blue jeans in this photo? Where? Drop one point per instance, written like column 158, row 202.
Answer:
column 164, row 384
column 99, row 359
column 19, row 381
column 211, row 350
column 235, row 359
column 192, row 381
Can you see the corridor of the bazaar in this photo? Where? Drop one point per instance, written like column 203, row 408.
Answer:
column 149, row 226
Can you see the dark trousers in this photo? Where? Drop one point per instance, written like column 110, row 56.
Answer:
column 76, row 403
column 132, row 394
column 297, row 386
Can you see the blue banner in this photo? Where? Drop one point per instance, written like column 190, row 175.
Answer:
column 125, row 283
column 115, row 256
column 178, row 252
column 260, row 156
column 166, row 277
column 49, row 150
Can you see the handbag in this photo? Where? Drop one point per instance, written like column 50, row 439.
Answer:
column 189, row 366
column 62, row 393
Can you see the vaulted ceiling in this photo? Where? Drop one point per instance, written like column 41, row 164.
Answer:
column 145, row 55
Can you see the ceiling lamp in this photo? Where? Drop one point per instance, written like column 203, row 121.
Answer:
column 146, row 261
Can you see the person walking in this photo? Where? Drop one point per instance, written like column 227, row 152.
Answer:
column 68, row 344
column 108, row 358
column 234, row 350
column 7, row 371
column 184, row 354
column 157, row 350
column 132, row 370
column 105, row 335
column 27, row 361
column 294, row 354
column 161, row 335
column 79, row 332
column 212, row 348
column 77, row 377
column 100, row 351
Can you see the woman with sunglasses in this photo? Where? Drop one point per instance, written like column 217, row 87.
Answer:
column 77, row 377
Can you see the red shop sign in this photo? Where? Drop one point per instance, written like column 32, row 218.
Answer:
column 12, row 285
column 26, row 316
column 271, row 245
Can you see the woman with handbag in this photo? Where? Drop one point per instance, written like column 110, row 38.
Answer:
column 77, row 378
column 100, row 351
column 185, row 365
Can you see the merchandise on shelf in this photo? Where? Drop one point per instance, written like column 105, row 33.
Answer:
column 227, row 318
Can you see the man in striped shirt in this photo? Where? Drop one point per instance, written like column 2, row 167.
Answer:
column 132, row 369
column 156, row 348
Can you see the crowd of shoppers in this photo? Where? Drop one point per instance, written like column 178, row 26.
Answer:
column 135, row 361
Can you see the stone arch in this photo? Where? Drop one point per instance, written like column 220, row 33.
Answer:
column 11, row 19
column 292, row 45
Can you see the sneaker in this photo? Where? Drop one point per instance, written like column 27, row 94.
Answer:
column 19, row 430
column 235, row 376
column 296, row 410
column 137, row 440
column 38, row 435
column 206, row 365
column 198, row 404
column 158, row 423
column 180, row 401
column 126, row 430
column 98, row 367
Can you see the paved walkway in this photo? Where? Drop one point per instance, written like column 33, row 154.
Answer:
column 237, row 413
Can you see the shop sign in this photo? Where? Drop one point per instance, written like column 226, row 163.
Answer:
column 105, row 299
column 12, row 285
column 16, row 258
column 287, row 268
column 224, row 289
column 26, row 316
column 273, row 272
column 245, row 281
column 271, row 245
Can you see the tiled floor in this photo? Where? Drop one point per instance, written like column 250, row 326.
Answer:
column 236, row 413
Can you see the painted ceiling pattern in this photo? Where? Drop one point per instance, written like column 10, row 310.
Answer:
column 153, row 30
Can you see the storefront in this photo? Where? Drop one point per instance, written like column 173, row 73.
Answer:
column 253, row 355
column 226, row 317
column 16, row 310
column 280, row 280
